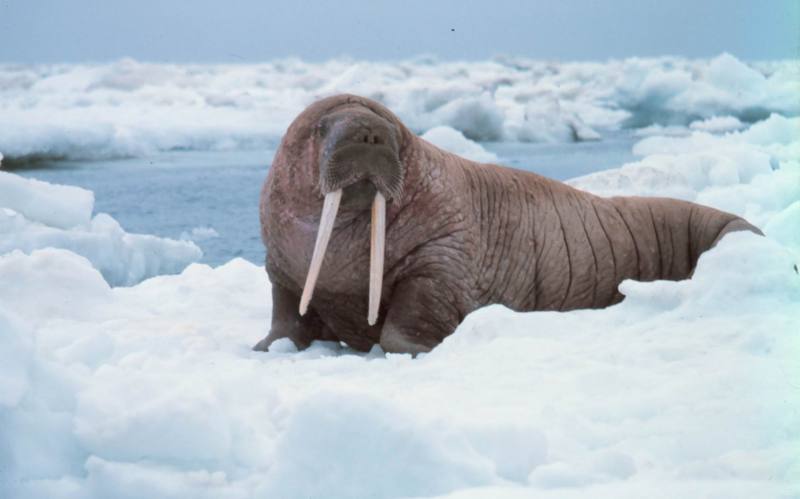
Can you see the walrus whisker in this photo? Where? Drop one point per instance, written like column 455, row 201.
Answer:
column 329, row 208
column 376, row 254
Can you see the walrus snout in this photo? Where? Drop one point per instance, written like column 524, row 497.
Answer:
column 359, row 146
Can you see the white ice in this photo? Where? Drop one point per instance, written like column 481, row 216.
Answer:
column 454, row 141
column 199, row 234
column 685, row 389
column 35, row 214
column 717, row 124
column 116, row 109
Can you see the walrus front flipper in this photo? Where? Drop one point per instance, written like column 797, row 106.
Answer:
column 410, row 325
column 287, row 322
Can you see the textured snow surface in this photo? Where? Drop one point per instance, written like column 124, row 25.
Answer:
column 35, row 214
column 685, row 389
column 117, row 109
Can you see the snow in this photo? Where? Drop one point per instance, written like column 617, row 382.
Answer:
column 717, row 124
column 35, row 214
column 82, row 111
column 152, row 391
column 684, row 389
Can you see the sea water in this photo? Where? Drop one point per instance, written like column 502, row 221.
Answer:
column 182, row 194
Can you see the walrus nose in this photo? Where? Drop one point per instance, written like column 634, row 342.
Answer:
column 368, row 136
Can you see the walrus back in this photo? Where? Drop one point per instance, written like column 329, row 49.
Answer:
column 549, row 246
column 608, row 240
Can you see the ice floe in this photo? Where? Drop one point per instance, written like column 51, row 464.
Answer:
column 132, row 108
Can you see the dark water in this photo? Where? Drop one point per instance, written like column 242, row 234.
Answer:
column 172, row 193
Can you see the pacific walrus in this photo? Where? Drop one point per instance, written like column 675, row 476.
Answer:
column 457, row 235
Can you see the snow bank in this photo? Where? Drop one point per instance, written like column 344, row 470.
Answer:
column 130, row 108
column 454, row 141
column 152, row 391
column 35, row 214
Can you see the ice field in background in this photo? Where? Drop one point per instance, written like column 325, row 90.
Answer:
column 112, row 387
column 131, row 108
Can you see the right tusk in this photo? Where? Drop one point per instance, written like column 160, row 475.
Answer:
column 376, row 254
column 329, row 208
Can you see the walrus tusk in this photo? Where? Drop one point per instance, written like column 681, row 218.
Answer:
column 329, row 208
column 377, row 243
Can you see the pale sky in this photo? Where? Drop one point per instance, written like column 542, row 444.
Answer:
column 258, row 30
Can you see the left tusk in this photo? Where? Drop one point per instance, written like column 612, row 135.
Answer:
column 376, row 254
column 329, row 208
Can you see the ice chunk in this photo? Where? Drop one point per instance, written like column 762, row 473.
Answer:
column 478, row 118
column 718, row 124
column 199, row 234
column 60, row 206
column 776, row 129
column 37, row 285
column 16, row 353
column 783, row 227
column 454, row 141
column 35, row 214
column 122, row 258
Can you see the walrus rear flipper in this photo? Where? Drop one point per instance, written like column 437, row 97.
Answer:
column 736, row 225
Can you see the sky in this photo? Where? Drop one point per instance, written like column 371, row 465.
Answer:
column 257, row 30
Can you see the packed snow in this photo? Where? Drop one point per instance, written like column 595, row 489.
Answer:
column 685, row 389
column 116, row 110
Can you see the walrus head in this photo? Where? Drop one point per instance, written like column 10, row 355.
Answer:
column 359, row 163
column 359, row 154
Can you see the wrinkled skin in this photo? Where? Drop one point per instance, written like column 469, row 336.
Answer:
column 459, row 235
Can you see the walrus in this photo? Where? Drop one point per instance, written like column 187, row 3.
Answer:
column 408, row 239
